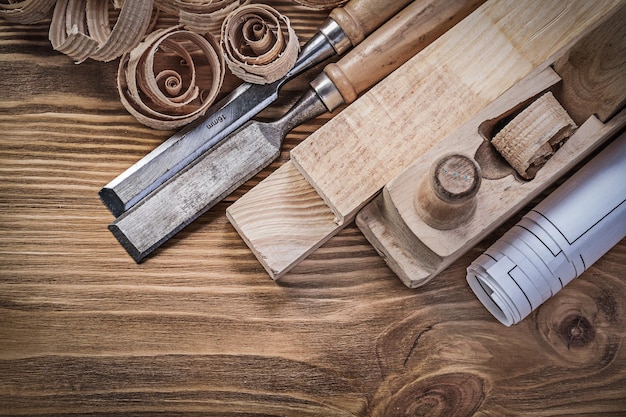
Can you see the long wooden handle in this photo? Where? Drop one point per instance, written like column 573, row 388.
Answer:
column 407, row 33
column 359, row 18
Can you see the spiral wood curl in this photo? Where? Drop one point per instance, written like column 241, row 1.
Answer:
column 171, row 78
column 259, row 44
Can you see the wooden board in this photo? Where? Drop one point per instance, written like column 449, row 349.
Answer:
column 199, row 329
column 350, row 159
column 359, row 151
column 264, row 231
column 594, row 71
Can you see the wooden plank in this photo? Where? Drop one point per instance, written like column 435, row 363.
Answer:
column 265, row 231
column 201, row 330
column 370, row 141
column 366, row 145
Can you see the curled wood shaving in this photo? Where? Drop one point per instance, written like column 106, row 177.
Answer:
column 171, row 78
column 260, row 46
column 320, row 4
column 200, row 15
column 26, row 11
column 81, row 30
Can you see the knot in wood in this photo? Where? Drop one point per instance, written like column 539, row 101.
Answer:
column 577, row 331
column 452, row 394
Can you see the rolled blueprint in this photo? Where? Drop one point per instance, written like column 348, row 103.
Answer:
column 556, row 241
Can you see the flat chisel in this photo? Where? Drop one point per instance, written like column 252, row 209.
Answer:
column 346, row 27
column 190, row 193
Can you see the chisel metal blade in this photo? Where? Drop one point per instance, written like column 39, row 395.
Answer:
column 183, row 148
column 208, row 180
column 346, row 27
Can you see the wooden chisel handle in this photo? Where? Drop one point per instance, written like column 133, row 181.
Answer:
column 407, row 33
column 359, row 18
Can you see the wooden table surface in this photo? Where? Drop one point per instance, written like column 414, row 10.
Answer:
column 200, row 329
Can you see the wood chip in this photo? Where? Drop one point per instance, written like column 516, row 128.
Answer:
column 530, row 139
column 260, row 46
column 171, row 78
column 26, row 11
column 81, row 30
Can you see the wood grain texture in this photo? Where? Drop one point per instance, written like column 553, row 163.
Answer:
column 594, row 72
column 201, row 330
column 264, row 231
column 374, row 139
column 353, row 156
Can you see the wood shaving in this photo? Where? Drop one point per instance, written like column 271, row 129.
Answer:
column 26, row 11
column 200, row 15
column 260, row 46
column 174, row 75
column 171, row 78
column 81, row 30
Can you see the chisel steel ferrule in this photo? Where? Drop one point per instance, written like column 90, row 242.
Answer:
column 336, row 36
column 327, row 92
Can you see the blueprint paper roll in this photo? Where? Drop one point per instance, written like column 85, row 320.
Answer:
column 556, row 241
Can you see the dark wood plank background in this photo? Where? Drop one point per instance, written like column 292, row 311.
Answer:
column 199, row 328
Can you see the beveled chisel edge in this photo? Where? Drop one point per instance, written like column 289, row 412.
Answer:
column 132, row 250
column 191, row 193
column 112, row 201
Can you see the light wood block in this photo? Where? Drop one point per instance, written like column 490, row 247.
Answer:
column 359, row 151
column 354, row 155
column 286, row 237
